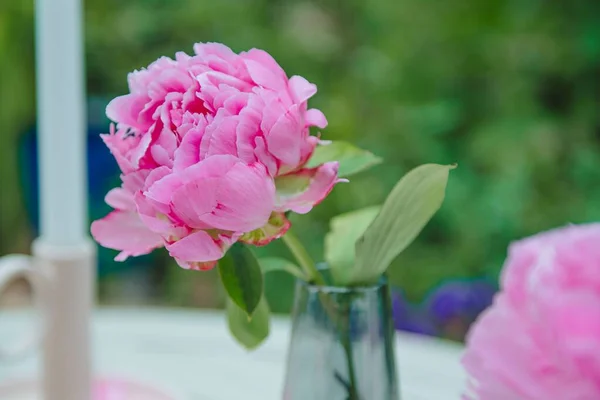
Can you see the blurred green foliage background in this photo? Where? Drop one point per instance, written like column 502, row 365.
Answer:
column 508, row 89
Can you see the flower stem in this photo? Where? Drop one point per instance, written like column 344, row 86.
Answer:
column 301, row 255
column 345, row 336
column 347, row 345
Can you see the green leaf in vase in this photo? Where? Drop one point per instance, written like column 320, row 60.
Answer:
column 345, row 229
column 411, row 204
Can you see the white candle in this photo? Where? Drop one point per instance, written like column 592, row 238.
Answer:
column 61, row 121
column 64, row 253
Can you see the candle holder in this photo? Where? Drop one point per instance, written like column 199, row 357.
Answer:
column 63, row 330
column 102, row 389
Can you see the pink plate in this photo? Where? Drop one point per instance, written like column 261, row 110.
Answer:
column 103, row 389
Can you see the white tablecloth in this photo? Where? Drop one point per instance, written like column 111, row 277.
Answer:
column 191, row 354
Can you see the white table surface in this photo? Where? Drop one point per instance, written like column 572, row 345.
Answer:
column 191, row 354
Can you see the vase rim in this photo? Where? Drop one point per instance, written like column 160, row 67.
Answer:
column 322, row 267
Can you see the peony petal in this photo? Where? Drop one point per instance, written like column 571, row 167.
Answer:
column 264, row 157
column 125, row 231
column 198, row 247
column 120, row 199
column 125, row 109
column 161, row 155
column 275, row 228
column 246, row 196
column 235, row 102
column 188, row 152
column 211, row 48
column 264, row 59
column 197, row 266
column 302, row 190
column 158, row 222
column 264, row 76
column 173, row 80
column 301, row 89
column 576, row 318
column 194, row 200
column 211, row 167
column 308, row 148
column 215, row 79
column 314, row 117
column 285, row 139
column 161, row 191
column 246, row 136
column 155, row 175
column 270, row 106
column 118, row 149
column 136, row 181
column 139, row 155
column 190, row 102
column 221, row 136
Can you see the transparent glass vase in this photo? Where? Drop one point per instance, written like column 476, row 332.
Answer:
column 342, row 344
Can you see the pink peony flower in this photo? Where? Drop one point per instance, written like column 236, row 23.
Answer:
column 541, row 337
column 217, row 143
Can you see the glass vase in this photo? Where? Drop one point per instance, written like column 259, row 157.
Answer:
column 342, row 344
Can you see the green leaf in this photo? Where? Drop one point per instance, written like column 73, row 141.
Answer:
column 345, row 229
column 269, row 264
column 351, row 158
column 411, row 204
column 250, row 332
column 242, row 277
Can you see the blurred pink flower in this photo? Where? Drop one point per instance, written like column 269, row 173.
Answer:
column 218, row 142
column 541, row 337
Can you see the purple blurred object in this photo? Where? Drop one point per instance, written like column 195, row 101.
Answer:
column 460, row 299
column 409, row 317
column 447, row 312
